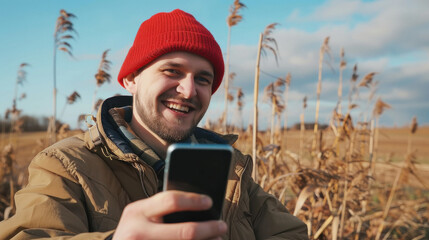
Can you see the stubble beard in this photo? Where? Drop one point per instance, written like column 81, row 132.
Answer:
column 155, row 124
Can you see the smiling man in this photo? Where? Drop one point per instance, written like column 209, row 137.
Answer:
column 171, row 96
column 106, row 183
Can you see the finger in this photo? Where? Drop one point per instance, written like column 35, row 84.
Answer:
column 174, row 201
column 191, row 230
column 216, row 238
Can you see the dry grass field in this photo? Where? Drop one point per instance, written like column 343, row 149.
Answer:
column 393, row 143
column 392, row 148
column 314, row 187
column 391, row 152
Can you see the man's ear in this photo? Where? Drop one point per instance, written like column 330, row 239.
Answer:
column 130, row 83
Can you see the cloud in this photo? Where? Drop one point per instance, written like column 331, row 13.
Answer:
column 398, row 94
column 368, row 29
column 393, row 28
column 411, row 72
column 389, row 37
column 330, row 11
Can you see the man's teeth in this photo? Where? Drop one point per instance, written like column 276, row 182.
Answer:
column 177, row 107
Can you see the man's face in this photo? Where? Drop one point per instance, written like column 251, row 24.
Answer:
column 172, row 94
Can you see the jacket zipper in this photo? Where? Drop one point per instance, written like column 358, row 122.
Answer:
column 239, row 188
column 141, row 176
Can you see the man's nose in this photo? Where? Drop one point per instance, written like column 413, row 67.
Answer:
column 186, row 86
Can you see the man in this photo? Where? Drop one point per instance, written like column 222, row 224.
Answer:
column 105, row 183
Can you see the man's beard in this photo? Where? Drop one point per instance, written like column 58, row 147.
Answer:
column 154, row 123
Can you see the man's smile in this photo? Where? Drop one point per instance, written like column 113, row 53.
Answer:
column 178, row 107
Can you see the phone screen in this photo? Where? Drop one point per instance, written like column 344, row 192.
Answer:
column 201, row 169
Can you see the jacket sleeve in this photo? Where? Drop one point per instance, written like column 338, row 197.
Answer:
column 50, row 206
column 270, row 218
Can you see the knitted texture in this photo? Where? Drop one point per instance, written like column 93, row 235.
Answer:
column 169, row 32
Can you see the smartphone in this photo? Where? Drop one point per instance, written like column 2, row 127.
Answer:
column 199, row 168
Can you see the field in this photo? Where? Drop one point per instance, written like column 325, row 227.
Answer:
column 393, row 145
column 316, row 186
column 392, row 150
column 350, row 179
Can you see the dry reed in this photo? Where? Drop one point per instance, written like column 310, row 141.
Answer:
column 233, row 19
column 102, row 76
column 63, row 33
column 324, row 49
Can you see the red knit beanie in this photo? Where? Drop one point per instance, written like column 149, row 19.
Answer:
column 169, row 32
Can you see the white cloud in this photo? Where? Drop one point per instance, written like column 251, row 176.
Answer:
column 296, row 95
column 372, row 65
column 398, row 94
column 412, row 71
column 390, row 31
column 336, row 10
column 389, row 26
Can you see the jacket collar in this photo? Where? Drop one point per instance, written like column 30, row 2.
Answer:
column 113, row 132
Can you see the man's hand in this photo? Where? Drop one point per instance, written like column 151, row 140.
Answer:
column 143, row 219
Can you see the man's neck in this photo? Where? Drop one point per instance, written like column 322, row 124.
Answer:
column 151, row 139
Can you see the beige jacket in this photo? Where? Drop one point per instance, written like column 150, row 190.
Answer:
column 78, row 188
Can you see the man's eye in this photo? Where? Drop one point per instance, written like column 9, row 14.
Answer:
column 171, row 72
column 203, row 80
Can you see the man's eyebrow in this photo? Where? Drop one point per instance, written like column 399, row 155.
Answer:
column 178, row 65
column 171, row 64
column 206, row 73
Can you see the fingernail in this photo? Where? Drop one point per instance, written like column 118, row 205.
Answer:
column 206, row 200
column 222, row 226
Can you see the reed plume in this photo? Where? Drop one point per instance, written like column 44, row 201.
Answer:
column 266, row 41
column 102, row 76
column 324, row 49
column 72, row 98
column 367, row 79
column 63, row 32
column 272, row 94
column 286, row 96
column 379, row 108
column 353, row 91
column 16, row 123
column 20, row 79
column 240, row 105
column 343, row 65
column 233, row 19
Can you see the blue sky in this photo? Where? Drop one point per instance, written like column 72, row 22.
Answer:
column 389, row 37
